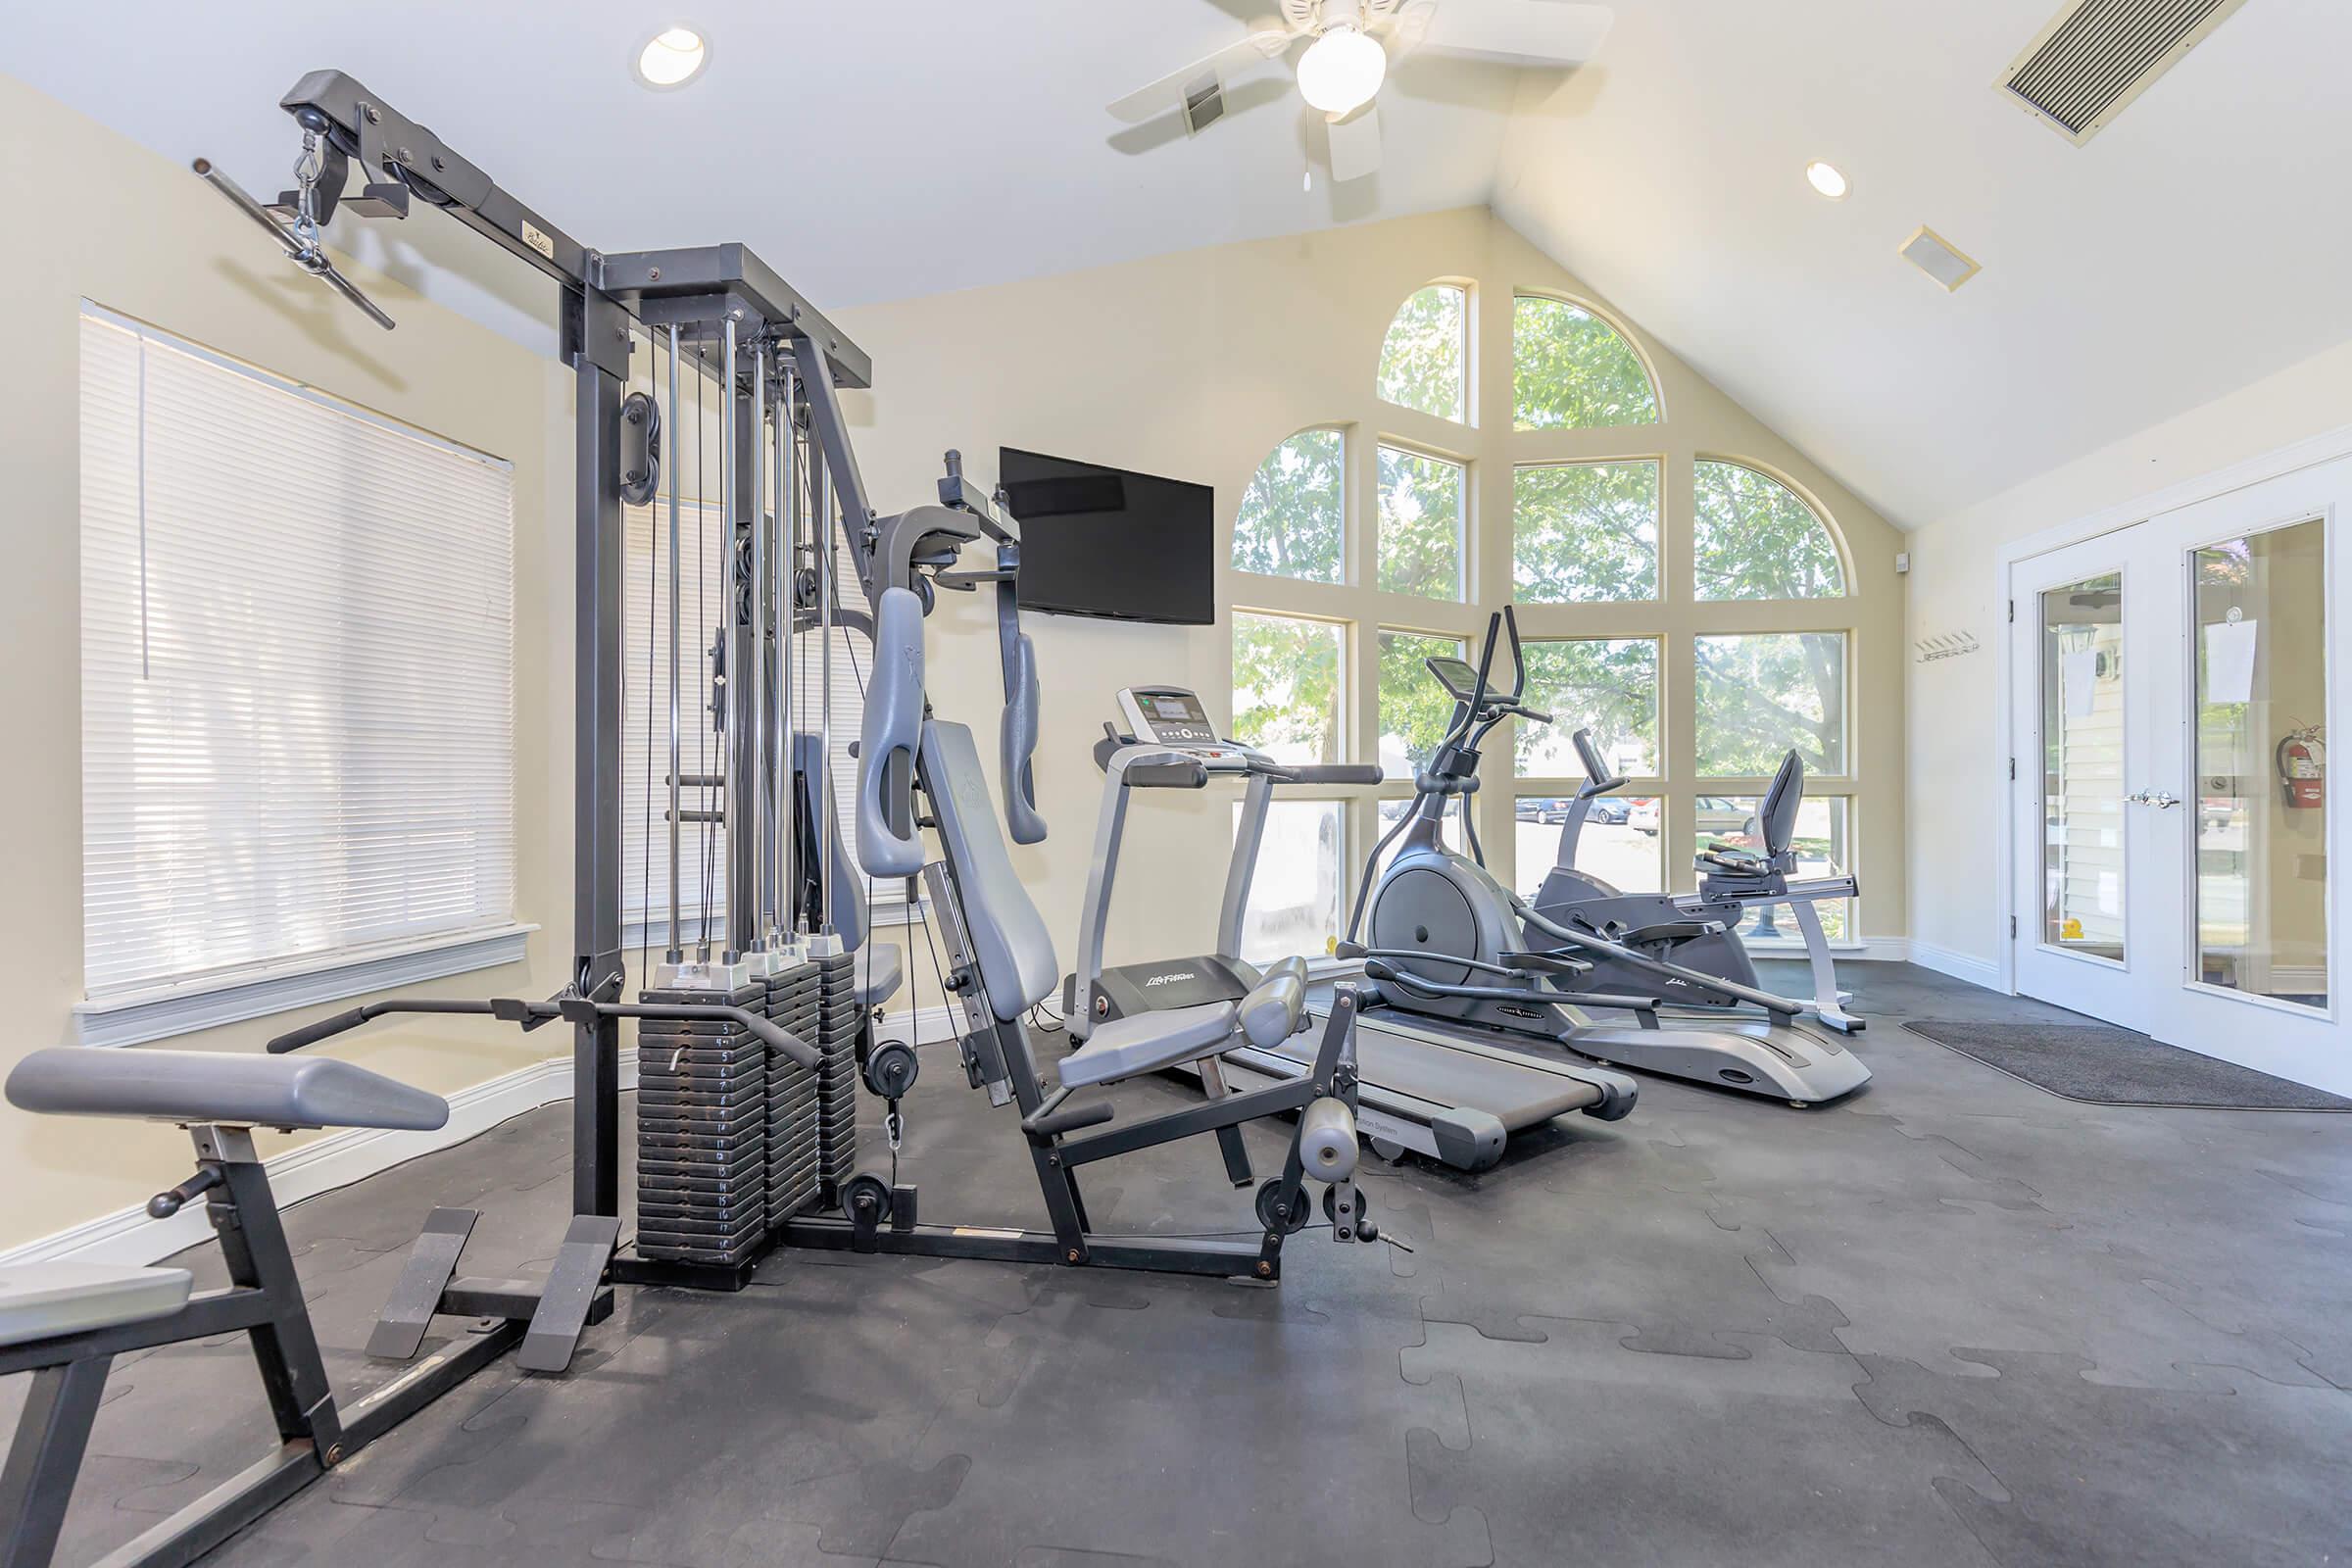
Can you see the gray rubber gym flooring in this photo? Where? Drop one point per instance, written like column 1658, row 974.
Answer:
column 1955, row 1320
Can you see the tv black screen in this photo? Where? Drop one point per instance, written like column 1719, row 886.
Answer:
column 1099, row 541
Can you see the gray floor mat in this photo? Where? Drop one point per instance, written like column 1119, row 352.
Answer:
column 2103, row 1066
column 1956, row 1321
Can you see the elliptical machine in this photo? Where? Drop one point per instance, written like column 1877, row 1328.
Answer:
column 1447, row 940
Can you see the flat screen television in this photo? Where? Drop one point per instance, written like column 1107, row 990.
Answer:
column 1110, row 542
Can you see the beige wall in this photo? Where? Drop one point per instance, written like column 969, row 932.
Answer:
column 102, row 219
column 1957, row 788
column 1197, row 364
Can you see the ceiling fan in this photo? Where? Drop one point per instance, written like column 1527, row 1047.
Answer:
column 1350, row 45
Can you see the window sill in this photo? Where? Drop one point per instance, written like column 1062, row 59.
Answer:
column 140, row 1016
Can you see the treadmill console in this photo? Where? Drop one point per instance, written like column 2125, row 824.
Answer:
column 1167, row 715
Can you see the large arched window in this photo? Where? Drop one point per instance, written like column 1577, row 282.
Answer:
column 1753, row 537
column 1294, row 517
column 1570, row 369
column 1424, row 361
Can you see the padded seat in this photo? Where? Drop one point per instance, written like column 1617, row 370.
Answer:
column 234, row 1089
column 42, row 1300
column 1149, row 1042
column 879, row 973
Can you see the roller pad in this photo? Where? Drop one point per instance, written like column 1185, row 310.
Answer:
column 1272, row 1013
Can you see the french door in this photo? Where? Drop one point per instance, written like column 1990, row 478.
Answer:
column 2178, row 859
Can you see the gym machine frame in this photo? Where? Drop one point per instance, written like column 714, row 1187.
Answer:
column 913, row 551
column 757, row 339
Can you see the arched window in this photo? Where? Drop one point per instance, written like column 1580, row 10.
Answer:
column 1293, row 522
column 1753, row 537
column 1572, row 371
column 1424, row 358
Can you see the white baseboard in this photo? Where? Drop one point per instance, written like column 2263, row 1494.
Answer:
column 1985, row 972
column 341, row 1158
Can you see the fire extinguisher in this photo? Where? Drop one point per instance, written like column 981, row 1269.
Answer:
column 2303, row 769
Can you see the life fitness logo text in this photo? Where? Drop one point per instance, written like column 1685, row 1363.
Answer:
column 1173, row 975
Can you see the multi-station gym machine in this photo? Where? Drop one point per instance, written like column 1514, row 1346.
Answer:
column 749, row 1027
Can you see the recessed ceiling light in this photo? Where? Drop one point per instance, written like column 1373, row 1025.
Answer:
column 1825, row 179
column 672, row 57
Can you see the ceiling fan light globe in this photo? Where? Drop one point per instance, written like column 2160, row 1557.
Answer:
column 1341, row 70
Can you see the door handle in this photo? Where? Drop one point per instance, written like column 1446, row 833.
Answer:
column 2156, row 797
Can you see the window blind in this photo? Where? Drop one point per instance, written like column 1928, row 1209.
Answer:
column 297, row 692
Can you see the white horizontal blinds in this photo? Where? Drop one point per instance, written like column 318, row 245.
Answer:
column 644, row 772
column 298, row 693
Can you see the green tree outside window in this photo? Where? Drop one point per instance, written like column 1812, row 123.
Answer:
column 1585, row 532
column 1286, row 686
column 1607, row 686
column 1414, row 710
column 1759, row 694
column 1420, row 543
column 1292, row 521
column 1753, row 537
column 1422, row 359
column 1571, row 370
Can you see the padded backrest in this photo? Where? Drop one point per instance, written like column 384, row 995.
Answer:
column 231, row 1088
column 1775, row 818
column 1009, row 940
column 845, row 884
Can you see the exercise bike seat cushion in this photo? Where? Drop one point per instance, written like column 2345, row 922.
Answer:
column 231, row 1088
column 879, row 973
column 1149, row 1042
column 42, row 1300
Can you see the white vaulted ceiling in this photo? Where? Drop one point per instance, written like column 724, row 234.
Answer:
column 872, row 151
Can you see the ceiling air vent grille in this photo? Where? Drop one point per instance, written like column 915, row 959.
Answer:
column 2098, row 54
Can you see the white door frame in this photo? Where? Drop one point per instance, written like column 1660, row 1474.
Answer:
column 2325, row 447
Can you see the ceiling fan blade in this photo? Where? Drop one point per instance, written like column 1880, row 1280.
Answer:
column 1516, row 32
column 1354, row 141
column 1168, row 92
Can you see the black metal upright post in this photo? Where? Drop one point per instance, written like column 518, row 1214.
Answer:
column 743, row 650
column 600, row 357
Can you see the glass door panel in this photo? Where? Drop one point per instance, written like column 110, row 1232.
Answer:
column 2083, row 762
column 2258, row 620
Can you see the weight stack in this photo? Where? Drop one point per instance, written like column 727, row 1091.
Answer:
column 793, row 1001
column 837, row 1091
column 702, row 1133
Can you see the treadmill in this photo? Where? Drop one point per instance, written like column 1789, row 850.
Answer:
column 1440, row 1092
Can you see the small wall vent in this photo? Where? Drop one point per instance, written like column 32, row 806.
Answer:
column 2096, row 56
column 1203, row 104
